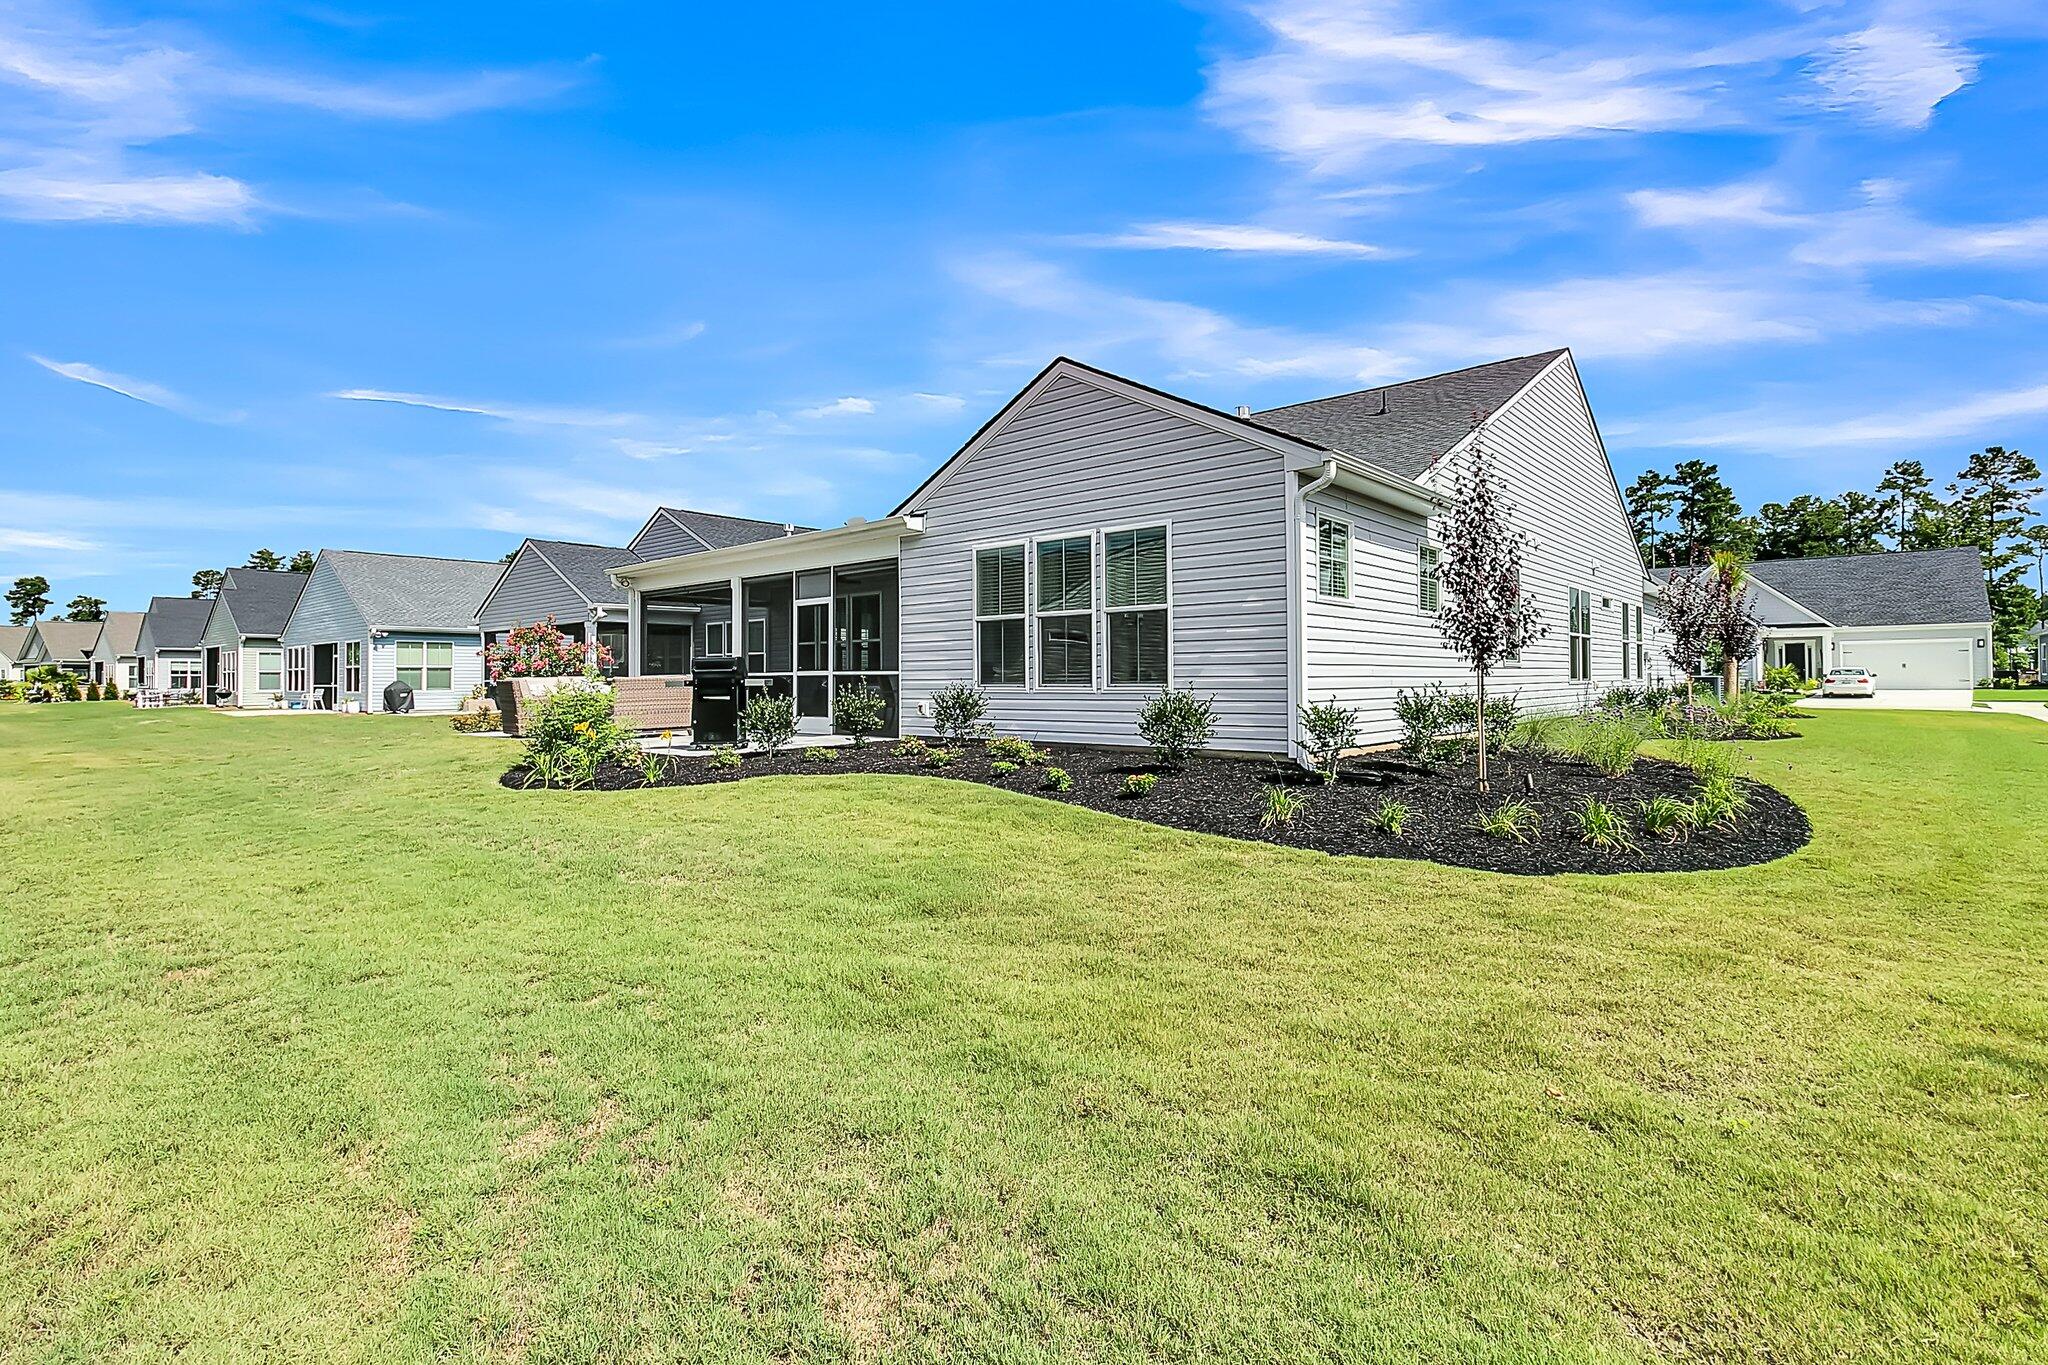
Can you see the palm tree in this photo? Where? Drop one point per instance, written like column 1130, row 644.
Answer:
column 1735, row 627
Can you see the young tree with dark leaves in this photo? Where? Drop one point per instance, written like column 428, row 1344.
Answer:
column 1483, row 614
column 83, row 608
column 207, row 583
column 1707, row 611
column 28, row 598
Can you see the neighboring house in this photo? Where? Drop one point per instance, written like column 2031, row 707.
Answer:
column 13, row 644
column 116, row 657
column 242, row 659
column 1918, row 619
column 1098, row 540
column 172, row 659
column 366, row 619
column 67, row 645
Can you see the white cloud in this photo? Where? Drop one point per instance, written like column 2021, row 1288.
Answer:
column 1246, row 238
column 84, row 193
column 844, row 407
column 1892, row 73
column 944, row 402
column 140, row 390
column 1938, row 417
column 634, row 449
column 14, row 539
column 516, row 413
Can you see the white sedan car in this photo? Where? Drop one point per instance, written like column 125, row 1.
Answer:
column 1848, row 682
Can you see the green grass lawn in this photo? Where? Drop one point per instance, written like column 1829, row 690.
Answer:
column 2011, row 694
column 316, row 1044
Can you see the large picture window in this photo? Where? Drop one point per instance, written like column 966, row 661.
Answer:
column 999, row 626
column 1426, row 590
column 1333, row 557
column 1134, row 603
column 426, row 665
column 1066, row 605
column 185, row 675
column 1581, row 611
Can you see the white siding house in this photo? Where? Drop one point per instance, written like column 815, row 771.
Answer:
column 1098, row 540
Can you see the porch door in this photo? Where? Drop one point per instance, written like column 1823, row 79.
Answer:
column 814, row 664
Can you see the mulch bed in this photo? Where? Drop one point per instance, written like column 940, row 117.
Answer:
column 1227, row 796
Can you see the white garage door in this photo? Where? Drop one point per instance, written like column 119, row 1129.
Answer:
column 1911, row 664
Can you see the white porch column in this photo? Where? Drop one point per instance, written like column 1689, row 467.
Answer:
column 738, row 632
column 634, row 627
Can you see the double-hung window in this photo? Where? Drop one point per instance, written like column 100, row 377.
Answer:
column 1426, row 591
column 1066, row 612
column 426, row 665
column 1333, row 557
column 1134, row 604
column 999, row 626
column 1631, row 641
column 269, row 670
column 184, row 675
column 718, row 637
column 352, row 666
column 1642, row 651
column 1581, row 611
column 295, row 668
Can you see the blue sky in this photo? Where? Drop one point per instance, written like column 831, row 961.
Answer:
column 303, row 275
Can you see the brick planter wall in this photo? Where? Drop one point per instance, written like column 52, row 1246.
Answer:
column 651, row 704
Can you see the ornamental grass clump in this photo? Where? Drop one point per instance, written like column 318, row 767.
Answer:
column 1666, row 818
column 1283, row 807
column 1609, row 742
column 1392, row 816
column 1720, row 803
column 1601, row 827
column 1516, row 821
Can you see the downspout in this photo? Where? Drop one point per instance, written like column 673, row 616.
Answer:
column 1298, row 495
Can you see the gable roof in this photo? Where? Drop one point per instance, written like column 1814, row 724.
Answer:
column 121, row 631
column 68, row 639
column 1892, row 588
column 413, row 592
column 13, row 640
column 260, row 601
column 1405, row 428
column 177, row 622
column 586, row 568
column 721, row 532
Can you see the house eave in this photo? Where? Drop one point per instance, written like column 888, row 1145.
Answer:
column 838, row 544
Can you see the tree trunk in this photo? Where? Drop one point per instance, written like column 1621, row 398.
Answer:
column 1484, row 786
column 1731, row 681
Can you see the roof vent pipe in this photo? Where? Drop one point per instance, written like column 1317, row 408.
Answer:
column 1243, row 411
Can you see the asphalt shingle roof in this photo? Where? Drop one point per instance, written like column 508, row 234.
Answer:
column 65, row 640
column 587, row 566
column 12, row 639
column 178, row 622
column 261, row 600
column 1405, row 428
column 414, row 591
column 722, row 532
column 1898, row 588
column 122, row 628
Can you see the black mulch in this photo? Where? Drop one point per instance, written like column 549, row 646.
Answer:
column 1227, row 796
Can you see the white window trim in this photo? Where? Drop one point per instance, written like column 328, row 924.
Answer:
column 1572, row 634
column 1034, row 656
column 1428, row 576
column 260, row 654
column 974, row 555
column 1105, row 610
column 427, row 666
column 298, row 668
column 763, row 672
column 1350, row 542
column 352, row 671
column 724, row 628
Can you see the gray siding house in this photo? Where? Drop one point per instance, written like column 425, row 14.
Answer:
column 242, row 660
column 13, row 645
column 169, row 643
column 68, row 645
column 117, row 657
column 1099, row 539
column 367, row 619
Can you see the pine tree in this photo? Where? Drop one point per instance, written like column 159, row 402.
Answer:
column 83, row 608
column 207, row 583
column 1650, row 500
column 28, row 599
column 265, row 559
column 302, row 562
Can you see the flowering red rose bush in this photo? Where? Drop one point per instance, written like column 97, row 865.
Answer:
column 539, row 651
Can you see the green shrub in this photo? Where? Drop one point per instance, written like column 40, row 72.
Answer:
column 573, row 731
column 1392, row 817
column 910, row 747
column 1707, row 760
column 1781, row 678
column 936, row 757
column 1176, row 723
column 820, row 754
column 478, row 722
column 1328, row 729
column 1283, row 806
column 959, row 712
column 1421, row 713
column 1460, row 716
column 860, row 710
column 92, row 691
column 1058, row 780
column 1012, row 750
column 1601, row 826
column 112, row 692
column 724, row 758
column 1666, row 818
column 1515, row 820
column 1003, row 767
column 1140, row 784
column 768, row 722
